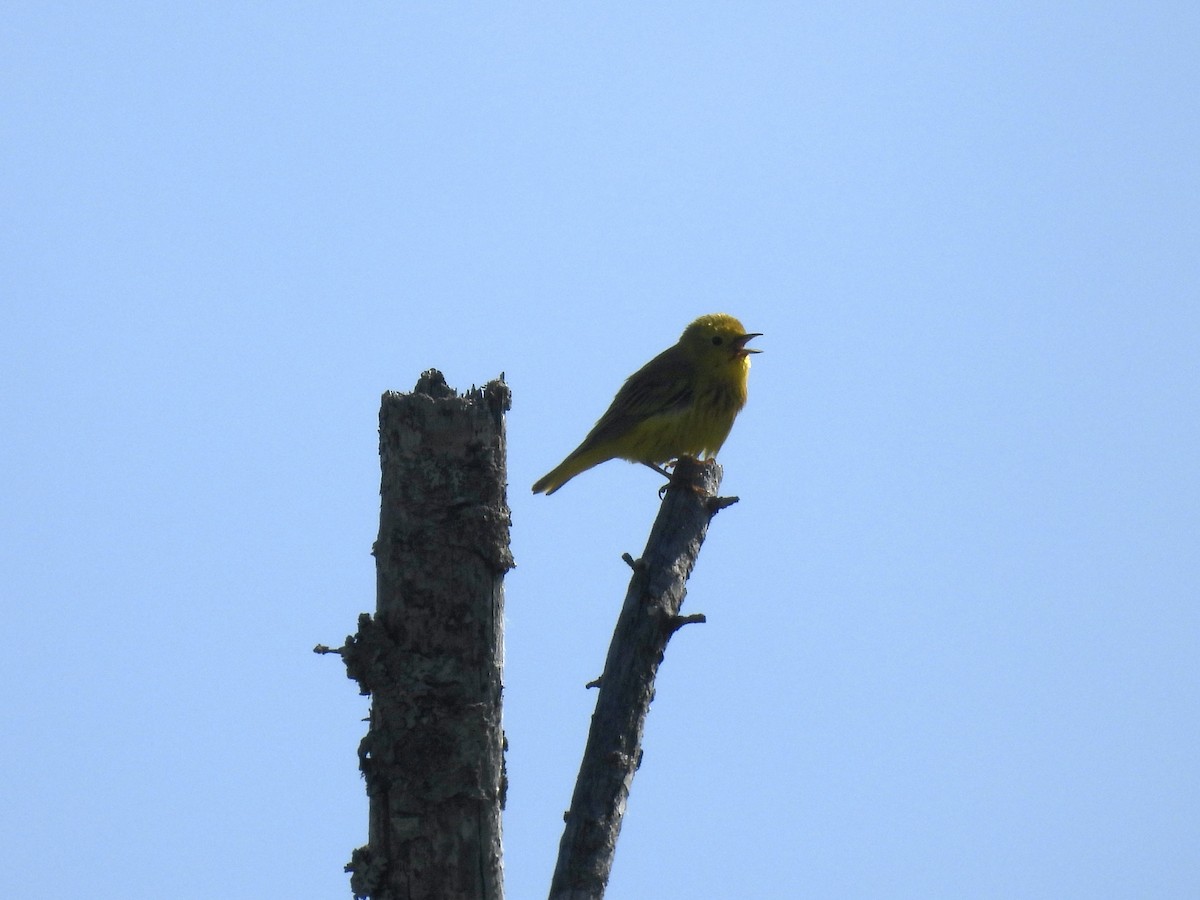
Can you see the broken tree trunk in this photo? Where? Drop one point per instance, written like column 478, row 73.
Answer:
column 648, row 618
column 431, row 656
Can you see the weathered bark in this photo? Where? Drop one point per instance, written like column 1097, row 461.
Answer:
column 431, row 657
column 648, row 618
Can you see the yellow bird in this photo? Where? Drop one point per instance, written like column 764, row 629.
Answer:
column 681, row 403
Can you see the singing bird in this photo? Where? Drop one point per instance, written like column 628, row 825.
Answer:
column 681, row 403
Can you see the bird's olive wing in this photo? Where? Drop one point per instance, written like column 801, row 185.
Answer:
column 662, row 387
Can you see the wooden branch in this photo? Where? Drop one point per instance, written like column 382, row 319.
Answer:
column 431, row 656
column 649, row 617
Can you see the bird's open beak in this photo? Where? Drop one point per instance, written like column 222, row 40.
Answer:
column 739, row 345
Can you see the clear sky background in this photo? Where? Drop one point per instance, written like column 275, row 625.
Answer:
column 954, row 622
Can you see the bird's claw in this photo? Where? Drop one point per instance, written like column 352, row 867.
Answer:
column 681, row 478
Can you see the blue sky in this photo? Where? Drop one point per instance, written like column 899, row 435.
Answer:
column 953, row 623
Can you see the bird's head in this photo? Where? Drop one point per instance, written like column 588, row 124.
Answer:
column 718, row 339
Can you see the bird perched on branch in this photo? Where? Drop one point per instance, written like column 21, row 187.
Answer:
column 681, row 403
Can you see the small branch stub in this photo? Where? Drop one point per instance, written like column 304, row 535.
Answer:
column 694, row 619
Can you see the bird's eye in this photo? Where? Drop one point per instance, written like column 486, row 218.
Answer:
column 718, row 341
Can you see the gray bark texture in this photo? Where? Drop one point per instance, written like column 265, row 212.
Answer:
column 431, row 658
column 648, row 618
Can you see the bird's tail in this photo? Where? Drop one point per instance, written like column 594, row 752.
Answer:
column 581, row 459
column 556, row 477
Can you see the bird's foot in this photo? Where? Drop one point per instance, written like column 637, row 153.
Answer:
column 685, row 469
